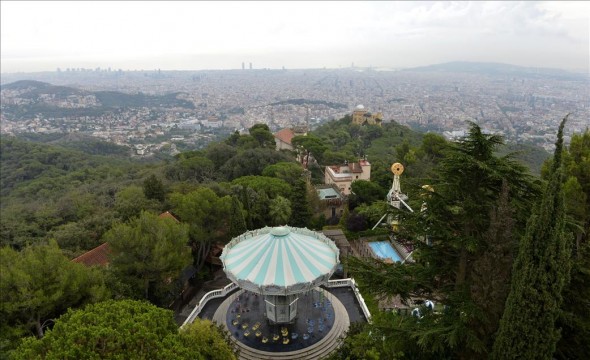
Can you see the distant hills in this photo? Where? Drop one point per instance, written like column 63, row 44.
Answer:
column 42, row 97
column 489, row 68
column 330, row 104
column 78, row 141
column 32, row 89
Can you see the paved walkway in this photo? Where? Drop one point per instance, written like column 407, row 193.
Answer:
column 217, row 283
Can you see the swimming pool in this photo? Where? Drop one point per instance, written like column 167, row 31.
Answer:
column 384, row 250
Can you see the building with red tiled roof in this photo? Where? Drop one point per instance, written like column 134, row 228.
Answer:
column 283, row 139
column 99, row 256
column 168, row 215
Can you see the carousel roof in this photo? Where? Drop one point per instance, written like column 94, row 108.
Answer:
column 280, row 260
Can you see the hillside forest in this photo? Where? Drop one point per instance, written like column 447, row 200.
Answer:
column 501, row 248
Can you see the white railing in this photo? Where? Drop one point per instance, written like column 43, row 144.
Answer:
column 339, row 283
column 350, row 282
column 205, row 299
column 229, row 288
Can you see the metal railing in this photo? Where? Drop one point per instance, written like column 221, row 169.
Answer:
column 350, row 282
column 205, row 299
column 231, row 287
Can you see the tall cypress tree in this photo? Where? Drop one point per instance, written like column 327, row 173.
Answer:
column 541, row 270
column 237, row 222
column 491, row 271
column 575, row 316
column 246, row 203
column 300, row 209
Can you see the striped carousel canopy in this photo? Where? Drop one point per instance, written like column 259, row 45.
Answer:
column 280, row 261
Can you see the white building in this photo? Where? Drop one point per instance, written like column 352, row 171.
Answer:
column 343, row 175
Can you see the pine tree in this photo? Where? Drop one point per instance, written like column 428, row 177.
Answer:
column 280, row 210
column 467, row 184
column 153, row 188
column 541, row 270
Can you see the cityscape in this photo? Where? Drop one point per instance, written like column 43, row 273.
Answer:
column 524, row 105
column 249, row 180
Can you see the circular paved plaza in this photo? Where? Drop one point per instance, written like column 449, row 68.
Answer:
column 320, row 322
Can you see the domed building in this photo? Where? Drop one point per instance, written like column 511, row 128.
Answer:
column 361, row 116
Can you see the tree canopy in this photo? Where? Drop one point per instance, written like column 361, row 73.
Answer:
column 273, row 187
column 148, row 254
column 126, row 329
column 464, row 241
column 467, row 184
column 541, row 271
column 206, row 214
column 38, row 284
column 574, row 319
column 263, row 136
column 289, row 172
column 251, row 162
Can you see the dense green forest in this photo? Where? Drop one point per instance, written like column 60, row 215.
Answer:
column 61, row 199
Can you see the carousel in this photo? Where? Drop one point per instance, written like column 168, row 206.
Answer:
column 280, row 306
column 279, row 264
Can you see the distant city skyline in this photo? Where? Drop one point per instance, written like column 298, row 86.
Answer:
column 43, row 36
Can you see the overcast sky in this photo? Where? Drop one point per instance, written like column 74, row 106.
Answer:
column 41, row 36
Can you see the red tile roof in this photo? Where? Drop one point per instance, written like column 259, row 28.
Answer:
column 355, row 167
column 100, row 254
column 285, row 135
column 97, row 256
column 168, row 215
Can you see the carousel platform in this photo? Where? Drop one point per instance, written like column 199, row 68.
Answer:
column 316, row 331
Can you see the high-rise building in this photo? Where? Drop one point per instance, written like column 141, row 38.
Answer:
column 243, row 65
column 250, row 66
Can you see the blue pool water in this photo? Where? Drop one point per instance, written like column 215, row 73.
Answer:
column 383, row 249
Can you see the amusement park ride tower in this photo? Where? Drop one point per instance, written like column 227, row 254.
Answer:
column 395, row 198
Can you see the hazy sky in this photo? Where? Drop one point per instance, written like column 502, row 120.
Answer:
column 40, row 36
